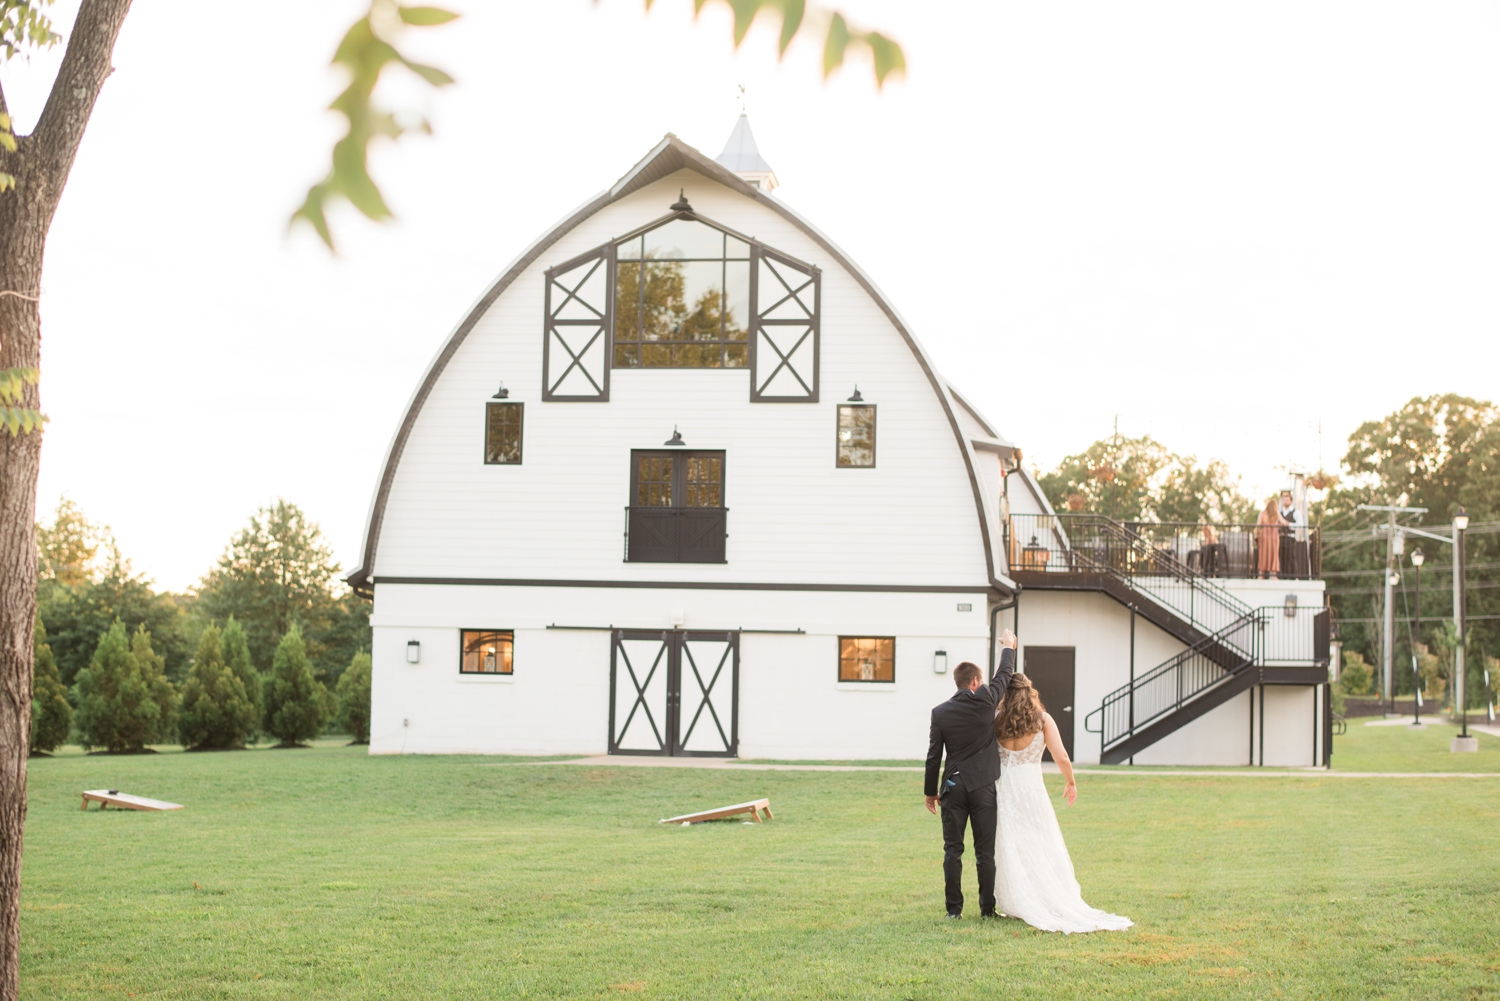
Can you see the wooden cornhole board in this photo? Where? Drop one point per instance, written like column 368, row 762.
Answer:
column 753, row 808
column 125, row 801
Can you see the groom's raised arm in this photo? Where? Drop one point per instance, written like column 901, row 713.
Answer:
column 1007, row 667
column 934, row 759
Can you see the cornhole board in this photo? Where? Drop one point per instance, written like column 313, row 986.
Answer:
column 125, row 801
column 753, row 808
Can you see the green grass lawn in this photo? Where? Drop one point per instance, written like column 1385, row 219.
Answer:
column 328, row 874
column 1397, row 749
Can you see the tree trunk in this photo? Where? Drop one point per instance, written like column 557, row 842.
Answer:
column 40, row 165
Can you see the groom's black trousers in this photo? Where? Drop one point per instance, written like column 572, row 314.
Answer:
column 962, row 807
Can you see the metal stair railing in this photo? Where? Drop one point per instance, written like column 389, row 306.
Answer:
column 1090, row 543
column 1169, row 686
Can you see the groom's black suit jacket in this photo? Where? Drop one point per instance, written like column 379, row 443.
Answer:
column 965, row 727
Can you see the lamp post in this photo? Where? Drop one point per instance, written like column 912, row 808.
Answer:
column 1460, row 525
column 1417, row 559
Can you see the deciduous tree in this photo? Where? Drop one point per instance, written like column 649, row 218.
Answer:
column 1140, row 479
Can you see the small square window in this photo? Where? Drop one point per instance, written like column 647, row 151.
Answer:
column 502, row 434
column 487, row 651
column 867, row 658
column 856, row 436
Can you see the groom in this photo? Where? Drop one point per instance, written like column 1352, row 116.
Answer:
column 964, row 726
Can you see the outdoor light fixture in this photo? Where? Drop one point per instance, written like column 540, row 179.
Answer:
column 1417, row 557
column 856, row 398
column 413, row 652
column 681, row 204
column 502, row 393
column 1290, row 606
column 940, row 662
column 1395, row 578
column 676, row 440
column 1461, row 520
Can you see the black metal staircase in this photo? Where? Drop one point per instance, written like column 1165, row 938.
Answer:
column 1231, row 646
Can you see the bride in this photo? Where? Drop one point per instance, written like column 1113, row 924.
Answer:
column 1034, row 879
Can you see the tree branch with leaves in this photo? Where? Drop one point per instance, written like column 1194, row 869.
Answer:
column 369, row 49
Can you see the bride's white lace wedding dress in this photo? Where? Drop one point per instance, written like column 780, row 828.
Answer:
column 1034, row 876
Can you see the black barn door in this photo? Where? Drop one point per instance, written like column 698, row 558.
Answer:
column 674, row 692
column 1050, row 669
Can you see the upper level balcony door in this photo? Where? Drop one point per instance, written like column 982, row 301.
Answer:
column 676, row 511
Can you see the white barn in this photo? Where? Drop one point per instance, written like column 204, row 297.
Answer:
column 683, row 481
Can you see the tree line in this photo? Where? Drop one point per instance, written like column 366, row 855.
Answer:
column 1438, row 452
column 270, row 642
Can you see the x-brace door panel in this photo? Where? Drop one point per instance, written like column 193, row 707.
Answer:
column 708, row 694
column 640, row 666
column 674, row 692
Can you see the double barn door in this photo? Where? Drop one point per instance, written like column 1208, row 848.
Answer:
column 674, row 692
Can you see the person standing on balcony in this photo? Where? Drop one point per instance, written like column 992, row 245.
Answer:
column 1268, row 528
column 1291, row 563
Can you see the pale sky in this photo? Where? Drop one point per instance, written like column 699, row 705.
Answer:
column 1225, row 224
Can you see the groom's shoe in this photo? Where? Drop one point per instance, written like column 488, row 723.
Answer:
column 954, row 916
column 991, row 914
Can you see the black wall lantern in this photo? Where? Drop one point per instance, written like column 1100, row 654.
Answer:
column 502, row 393
column 676, row 440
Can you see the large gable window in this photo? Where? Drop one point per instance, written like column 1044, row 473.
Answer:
column 682, row 293
column 682, row 298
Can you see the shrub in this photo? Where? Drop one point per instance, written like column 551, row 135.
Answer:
column 125, row 700
column 51, row 715
column 296, row 702
column 216, row 711
column 1356, row 676
column 237, row 658
column 354, row 698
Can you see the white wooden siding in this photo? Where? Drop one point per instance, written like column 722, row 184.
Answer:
column 793, row 516
column 791, row 702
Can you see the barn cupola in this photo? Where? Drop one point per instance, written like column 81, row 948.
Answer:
column 742, row 156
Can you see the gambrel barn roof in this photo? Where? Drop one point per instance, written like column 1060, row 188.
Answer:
column 668, row 157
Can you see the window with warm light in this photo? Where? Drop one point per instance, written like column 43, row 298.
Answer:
column 867, row 658
column 487, row 651
column 502, row 433
column 856, row 436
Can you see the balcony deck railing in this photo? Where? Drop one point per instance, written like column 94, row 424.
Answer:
column 1077, row 543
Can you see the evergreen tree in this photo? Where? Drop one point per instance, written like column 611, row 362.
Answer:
column 215, row 712
column 354, row 698
column 125, row 701
column 51, row 715
column 237, row 659
column 296, row 703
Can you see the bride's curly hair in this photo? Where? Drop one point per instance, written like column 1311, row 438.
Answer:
column 1021, row 710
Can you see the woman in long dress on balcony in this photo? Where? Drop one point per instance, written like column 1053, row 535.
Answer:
column 1034, row 878
column 1268, row 540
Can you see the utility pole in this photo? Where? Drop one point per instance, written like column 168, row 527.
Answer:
column 1463, row 742
column 1394, row 544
